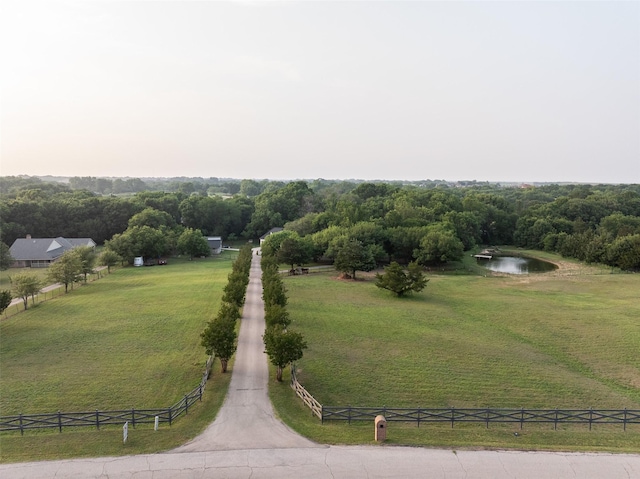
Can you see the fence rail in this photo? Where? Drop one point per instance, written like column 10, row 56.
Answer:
column 459, row 415
column 97, row 418
column 308, row 399
column 455, row 415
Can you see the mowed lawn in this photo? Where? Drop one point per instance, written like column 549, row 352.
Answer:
column 129, row 340
column 538, row 341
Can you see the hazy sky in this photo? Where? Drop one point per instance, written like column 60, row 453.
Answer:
column 500, row 91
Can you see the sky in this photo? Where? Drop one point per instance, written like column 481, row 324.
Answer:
column 535, row 91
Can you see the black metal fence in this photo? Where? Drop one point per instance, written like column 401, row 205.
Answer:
column 487, row 416
column 96, row 418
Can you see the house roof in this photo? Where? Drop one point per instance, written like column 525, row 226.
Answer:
column 45, row 249
column 271, row 231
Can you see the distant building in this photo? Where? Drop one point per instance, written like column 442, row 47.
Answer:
column 41, row 252
column 215, row 244
column 269, row 233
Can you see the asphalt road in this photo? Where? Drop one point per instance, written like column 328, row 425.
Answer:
column 247, row 441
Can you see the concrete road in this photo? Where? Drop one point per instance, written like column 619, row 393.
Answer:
column 337, row 462
column 246, row 441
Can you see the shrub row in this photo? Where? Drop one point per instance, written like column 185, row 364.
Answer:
column 219, row 337
column 283, row 346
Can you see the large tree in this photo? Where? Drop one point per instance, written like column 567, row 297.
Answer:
column 350, row 255
column 295, row 250
column 401, row 282
column 25, row 285
column 192, row 243
column 438, row 246
column 283, row 347
column 5, row 257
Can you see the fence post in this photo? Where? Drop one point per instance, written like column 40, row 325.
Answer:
column 200, row 392
column 521, row 417
column 170, row 413
column 419, row 410
column 590, row 417
column 21, row 428
column 186, row 405
column 133, row 417
column 624, row 420
column 487, row 417
column 452, row 416
column 555, row 423
column 349, row 415
column 59, row 421
column 321, row 414
column 97, row 420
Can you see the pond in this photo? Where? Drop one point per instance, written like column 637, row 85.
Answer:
column 516, row 265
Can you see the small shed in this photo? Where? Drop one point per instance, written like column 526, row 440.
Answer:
column 215, row 244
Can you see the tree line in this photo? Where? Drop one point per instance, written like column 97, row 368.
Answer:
column 361, row 224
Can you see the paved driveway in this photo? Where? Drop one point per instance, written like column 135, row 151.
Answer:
column 246, row 441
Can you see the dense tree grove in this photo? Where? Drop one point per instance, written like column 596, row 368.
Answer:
column 428, row 222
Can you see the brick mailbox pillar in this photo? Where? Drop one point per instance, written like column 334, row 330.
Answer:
column 381, row 428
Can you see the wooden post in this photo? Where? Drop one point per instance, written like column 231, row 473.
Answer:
column 21, row 428
column 97, row 420
column 59, row 421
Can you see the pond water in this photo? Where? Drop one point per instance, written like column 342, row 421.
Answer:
column 516, row 265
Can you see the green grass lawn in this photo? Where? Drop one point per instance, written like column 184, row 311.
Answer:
column 537, row 341
column 129, row 340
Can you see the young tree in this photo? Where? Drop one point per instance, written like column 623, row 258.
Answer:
column 87, row 257
column 25, row 285
column 66, row 270
column 283, row 347
column 276, row 314
column 235, row 289
column 192, row 242
column 219, row 339
column 109, row 258
column 396, row 280
column 5, row 300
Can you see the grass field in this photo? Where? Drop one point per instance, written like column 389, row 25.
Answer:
column 128, row 340
column 568, row 339
column 131, row 339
